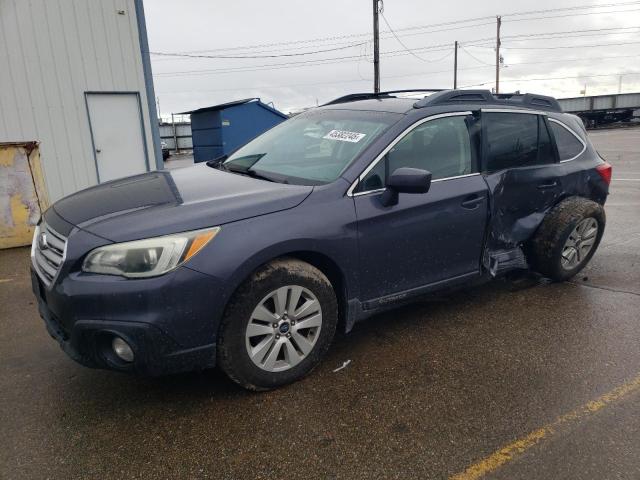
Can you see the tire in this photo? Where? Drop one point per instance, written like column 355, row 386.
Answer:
column 282, row 351
column 553, row 238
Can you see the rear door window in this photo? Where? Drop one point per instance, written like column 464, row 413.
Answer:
column 515, row 140
column 545, row 147
column 568, row 145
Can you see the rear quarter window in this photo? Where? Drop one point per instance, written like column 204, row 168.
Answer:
column 568, row 144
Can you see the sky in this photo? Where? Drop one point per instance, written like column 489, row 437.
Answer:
column 307, row 53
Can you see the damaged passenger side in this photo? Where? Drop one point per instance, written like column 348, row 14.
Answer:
column 524, row 177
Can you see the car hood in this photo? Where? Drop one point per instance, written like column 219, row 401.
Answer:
column 163, row 202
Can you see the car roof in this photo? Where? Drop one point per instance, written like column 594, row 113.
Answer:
column 445, row 100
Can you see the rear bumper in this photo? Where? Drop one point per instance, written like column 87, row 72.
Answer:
column 88, row 340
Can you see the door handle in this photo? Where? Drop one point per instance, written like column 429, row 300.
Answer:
column 544, row 186
column 472, row 202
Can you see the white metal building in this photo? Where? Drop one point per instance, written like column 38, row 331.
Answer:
column 75, row 76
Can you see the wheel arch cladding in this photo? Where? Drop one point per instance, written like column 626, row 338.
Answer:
column 323, row 262
column 543, row 246
column 333, row 272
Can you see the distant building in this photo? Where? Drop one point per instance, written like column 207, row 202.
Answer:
column 604, row 109
column 220, row 129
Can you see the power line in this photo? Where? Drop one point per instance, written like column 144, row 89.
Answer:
column 298, row 47
column 341, row 37
column 266, row 50
column 333, row 82
column 403, row 76
column 457, row 23
column 392, row 53
column 557, row 47
column 488, row 42
column 279, row 66
column 385, row 35
column 188, row 55
column 400, row 41
column 571, row 15
column 566, row 60
column 345, row 59
column 616, row 29
column 575, row 7
column 475, row 58
column 555, row 78
column 405, row 51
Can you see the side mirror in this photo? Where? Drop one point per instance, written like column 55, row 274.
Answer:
column 405, row 180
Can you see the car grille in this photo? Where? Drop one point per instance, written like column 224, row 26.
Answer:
column 47, row 253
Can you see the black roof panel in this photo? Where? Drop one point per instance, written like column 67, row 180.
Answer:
column 485, row 97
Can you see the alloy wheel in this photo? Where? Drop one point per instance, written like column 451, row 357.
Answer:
column 283, row 328
column 580, row 243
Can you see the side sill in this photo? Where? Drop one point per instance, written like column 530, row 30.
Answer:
column 400, row 297
column 358, row 311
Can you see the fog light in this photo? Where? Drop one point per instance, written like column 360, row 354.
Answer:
column 122, row 349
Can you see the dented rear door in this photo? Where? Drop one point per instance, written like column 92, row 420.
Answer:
column 522, row 172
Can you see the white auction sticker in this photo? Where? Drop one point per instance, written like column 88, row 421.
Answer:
column 344, row 136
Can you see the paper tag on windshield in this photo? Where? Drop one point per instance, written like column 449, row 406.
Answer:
column 344, row 136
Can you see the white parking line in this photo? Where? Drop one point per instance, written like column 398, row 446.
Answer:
column 627, row 179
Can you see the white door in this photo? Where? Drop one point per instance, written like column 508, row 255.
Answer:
column 116, row 127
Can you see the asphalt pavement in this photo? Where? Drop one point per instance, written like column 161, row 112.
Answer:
column 517, row 379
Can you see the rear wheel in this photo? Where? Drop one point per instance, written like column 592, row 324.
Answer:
column 567, row 238
column 278, row 325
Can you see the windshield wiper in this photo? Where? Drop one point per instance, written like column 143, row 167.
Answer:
column 217, row 162
column 230, row 167
column 263, row 176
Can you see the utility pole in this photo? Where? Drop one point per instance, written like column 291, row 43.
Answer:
column 499, row 23
column 175, row 134
column 376, row 49
column 455, row 66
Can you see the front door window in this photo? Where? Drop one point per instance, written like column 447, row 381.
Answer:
column 441, row 146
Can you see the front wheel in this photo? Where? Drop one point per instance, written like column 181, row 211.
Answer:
column 278, row 325
column 567, row 238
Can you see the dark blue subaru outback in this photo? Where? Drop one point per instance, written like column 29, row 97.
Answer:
column 252, row 262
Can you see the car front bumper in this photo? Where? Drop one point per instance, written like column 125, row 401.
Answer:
column 169, row 323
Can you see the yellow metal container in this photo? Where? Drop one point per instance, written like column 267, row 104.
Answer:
column 23, row 195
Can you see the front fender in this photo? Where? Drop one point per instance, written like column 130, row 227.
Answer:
column 327, row 229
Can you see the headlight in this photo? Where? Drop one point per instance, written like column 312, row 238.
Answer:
column 150, row 257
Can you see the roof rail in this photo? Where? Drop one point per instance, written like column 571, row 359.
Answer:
column 527, row 100
column 370, row 95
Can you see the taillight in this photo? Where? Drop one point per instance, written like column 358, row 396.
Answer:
column 604, row 169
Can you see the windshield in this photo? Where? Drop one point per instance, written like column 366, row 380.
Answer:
column 312, row 148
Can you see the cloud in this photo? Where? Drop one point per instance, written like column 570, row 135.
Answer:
column 558, row 64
